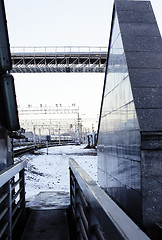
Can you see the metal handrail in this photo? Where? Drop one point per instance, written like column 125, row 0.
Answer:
column 10, row 172
column 59, row 59
column 105, row 218
column 12, row 199
column 58, row 49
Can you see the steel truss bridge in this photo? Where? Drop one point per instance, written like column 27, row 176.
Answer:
column 58, row 59
column 63, row 59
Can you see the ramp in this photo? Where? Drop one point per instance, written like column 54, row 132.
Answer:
column 48, row 217
column 47, row 224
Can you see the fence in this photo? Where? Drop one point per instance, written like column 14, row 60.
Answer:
column 95, row 214
column 12, row 199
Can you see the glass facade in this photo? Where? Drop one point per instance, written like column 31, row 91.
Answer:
column 119, row 138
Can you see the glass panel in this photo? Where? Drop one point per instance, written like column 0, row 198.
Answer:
column 119, row 136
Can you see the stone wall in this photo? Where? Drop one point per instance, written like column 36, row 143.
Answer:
column 130, row 127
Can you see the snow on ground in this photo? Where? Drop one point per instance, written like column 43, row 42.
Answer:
column 51, row 172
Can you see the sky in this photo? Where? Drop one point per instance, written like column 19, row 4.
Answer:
column 62, row 23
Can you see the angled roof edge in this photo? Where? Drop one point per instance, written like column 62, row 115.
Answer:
column 105, row 77
column 143, row 50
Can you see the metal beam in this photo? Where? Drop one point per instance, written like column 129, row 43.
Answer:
column 62, row 59
column 9, row 172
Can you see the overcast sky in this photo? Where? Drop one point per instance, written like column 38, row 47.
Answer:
column 62, row 23
column 58, row 22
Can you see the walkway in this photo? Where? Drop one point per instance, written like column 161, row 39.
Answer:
column 47, row 224
column 48, row 217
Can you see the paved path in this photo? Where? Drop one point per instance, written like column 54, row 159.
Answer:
column 46, row 225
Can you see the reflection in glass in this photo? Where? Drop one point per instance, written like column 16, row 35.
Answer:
column 119, row 136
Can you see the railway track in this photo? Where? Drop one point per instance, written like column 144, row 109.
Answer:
column 22, row 150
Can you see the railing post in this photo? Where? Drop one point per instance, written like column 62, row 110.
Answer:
column 22, row 186
column 72, row 202
column 8, row 204
column 10, row 209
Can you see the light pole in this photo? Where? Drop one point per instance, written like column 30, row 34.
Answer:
column 34, row 134
column 78, row 129
column 59, row 135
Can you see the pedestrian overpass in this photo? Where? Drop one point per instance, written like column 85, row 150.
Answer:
column 69, row 59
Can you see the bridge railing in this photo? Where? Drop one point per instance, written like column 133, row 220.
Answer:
column 12, row 199
column 58, row 59
column 95, row 215
column 61, row 49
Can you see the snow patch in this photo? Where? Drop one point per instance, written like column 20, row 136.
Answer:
column 51, row 172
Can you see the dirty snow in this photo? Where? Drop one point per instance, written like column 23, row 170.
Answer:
column 51, row 172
